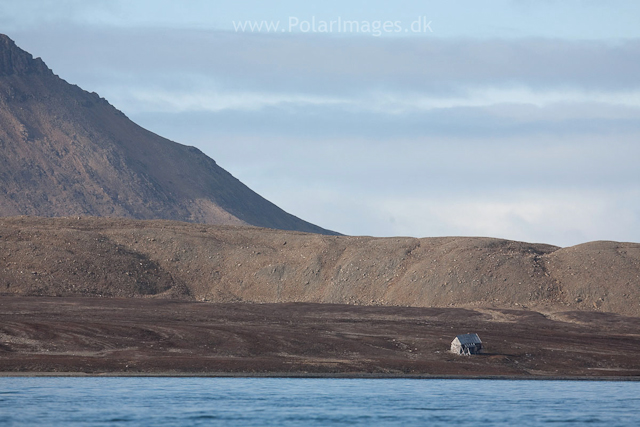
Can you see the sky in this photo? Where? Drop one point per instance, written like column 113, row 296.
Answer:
column 517, row 119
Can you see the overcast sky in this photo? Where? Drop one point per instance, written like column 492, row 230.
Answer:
column 517, row 119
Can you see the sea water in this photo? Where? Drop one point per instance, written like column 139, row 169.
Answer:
column 314, row 402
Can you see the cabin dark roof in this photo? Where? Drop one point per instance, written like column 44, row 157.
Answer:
column 469, row 339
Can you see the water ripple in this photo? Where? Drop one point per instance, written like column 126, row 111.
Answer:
column 314, row 402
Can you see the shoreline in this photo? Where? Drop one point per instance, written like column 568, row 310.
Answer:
column 349, row 375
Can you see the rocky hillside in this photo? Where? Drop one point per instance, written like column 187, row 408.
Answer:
column 64, row 151
column 126, row 258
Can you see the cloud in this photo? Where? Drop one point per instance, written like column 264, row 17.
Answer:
column 530, row 139
column 507, row 100
column 561, row 217
column 355, row 86
column 342, row 120
column 34, row 14
column 144, row 100
column 341, row 66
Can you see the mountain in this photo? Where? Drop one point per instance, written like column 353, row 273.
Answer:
column 164, row 259
column 67, row 152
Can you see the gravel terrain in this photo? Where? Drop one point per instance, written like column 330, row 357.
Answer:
column 163, row 259
column 152, row 336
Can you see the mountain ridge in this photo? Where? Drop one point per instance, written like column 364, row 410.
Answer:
column 14, row 60
column 69, row 152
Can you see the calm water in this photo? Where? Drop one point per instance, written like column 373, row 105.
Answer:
column 314, row 402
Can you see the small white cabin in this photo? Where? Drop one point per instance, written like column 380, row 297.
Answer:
column 466, row 344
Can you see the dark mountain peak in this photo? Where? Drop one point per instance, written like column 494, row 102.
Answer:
column 15, row 61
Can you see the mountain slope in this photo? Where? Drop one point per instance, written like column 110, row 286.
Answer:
column 64, row 151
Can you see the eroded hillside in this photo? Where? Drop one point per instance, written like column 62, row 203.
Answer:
column 127, row 258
